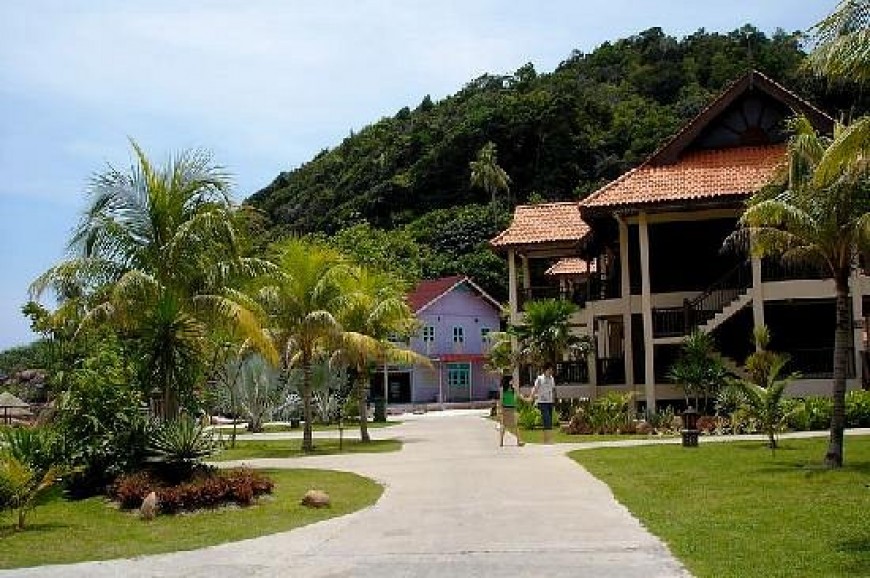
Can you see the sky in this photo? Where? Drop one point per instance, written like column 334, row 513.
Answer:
column 263, row 84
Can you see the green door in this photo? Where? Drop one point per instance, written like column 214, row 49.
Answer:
column 458, row 382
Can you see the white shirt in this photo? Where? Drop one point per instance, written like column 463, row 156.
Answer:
column 545, row 389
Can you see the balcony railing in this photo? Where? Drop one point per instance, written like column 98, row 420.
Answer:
column 777, row 270
column 593, row 290
column 818, row 363
column 611, row 371
column 572, row 372
column 566, row 373
column 535, row 293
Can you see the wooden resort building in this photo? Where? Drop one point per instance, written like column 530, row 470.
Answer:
column 643, row 257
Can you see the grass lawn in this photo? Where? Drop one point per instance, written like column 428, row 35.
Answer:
column 732, row 509
column 62, row 531
column 245, row 450
column 536, row 436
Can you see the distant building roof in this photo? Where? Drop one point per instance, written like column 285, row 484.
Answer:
column 544, row 223
column 571, row 266
column 697, row 175
column 429, row 291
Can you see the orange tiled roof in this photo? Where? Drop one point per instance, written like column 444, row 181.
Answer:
column 545, row 223
column 697, row 175
column 571, row 266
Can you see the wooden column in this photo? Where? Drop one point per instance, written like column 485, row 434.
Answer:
column 527, row 275
column 646, row 310
column 512, row 284
column 626, row 301
column 512, row 298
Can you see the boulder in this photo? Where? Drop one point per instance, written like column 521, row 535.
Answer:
column 148, row 509
column 315, row 499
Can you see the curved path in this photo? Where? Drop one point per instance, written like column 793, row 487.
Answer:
column 455, row 505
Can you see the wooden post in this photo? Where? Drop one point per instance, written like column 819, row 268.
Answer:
column 646, row 310
column 626, row 301
column 512, row 284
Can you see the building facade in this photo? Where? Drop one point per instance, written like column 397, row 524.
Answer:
column 646, row 258
column 455, row 317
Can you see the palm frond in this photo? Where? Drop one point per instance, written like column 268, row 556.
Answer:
column 841, row 43
column 848, row 156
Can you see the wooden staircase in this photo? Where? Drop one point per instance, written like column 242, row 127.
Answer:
column 718, row 303
column 738, row 303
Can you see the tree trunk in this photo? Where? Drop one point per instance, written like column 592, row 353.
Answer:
column 842, row 338
column 362, row 378
column 307, row 441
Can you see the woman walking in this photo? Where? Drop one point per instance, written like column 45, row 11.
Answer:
column 544, row 394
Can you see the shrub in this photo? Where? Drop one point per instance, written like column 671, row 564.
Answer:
column 566, row 408
column 811, row 413
column 608, row 414
column 662, row 421
column 707, row 424
column 100, row 427
column 858, row 408
column 528, row 416
column 206, row 489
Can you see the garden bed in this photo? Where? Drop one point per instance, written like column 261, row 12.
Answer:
column 95, row 529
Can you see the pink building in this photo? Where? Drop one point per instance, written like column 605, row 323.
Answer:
column 456, row 317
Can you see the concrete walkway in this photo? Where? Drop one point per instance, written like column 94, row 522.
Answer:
column 455, row 505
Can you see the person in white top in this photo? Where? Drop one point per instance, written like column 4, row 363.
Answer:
column 544, row 395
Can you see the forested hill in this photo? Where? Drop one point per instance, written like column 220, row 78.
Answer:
column 559, row 135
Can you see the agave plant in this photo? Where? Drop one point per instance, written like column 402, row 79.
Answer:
column 258, row 391
column 180, row 445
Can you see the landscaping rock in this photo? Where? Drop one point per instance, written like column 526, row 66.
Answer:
column 148, row 509
column 315, row 499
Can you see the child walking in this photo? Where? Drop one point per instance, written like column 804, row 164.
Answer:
column 509, row 411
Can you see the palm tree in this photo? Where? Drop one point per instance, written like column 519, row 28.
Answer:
column 816, row 214
column 501, row 357
column 302, row 302
column 698, row 370
column 158, row 253
column 375, row 309
column 841, row 43
column 487, row 174
column 544, row 334
column 762, row 395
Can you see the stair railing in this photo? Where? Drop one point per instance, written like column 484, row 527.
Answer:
column 717, row 296
column 677, row 321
